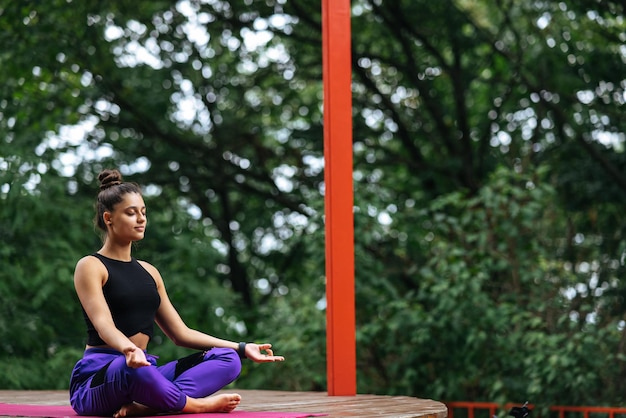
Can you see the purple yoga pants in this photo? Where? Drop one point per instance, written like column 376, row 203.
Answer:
column 102, row 383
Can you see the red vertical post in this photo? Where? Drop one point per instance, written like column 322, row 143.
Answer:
column 338, row 199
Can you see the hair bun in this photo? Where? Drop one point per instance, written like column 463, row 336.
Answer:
column 109, row 178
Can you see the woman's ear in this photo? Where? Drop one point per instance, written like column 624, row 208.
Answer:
column 106, row 216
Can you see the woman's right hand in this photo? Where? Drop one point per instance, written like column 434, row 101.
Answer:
column 135, row 358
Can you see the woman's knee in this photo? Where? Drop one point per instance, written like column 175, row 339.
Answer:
column 230, row 363
column 226, row 354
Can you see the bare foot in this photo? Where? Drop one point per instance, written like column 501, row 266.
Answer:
column 225, row 402
column 134, row 410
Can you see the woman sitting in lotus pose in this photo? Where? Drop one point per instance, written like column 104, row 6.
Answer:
column 121, row 299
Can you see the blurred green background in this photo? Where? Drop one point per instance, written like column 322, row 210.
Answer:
column 489, row 186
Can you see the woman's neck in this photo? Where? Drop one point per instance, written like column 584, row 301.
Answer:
column 116, row 252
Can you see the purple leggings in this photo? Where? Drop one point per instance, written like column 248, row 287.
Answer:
column 102, row 383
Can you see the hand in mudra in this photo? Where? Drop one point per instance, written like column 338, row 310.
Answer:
column 135, row 358
column 262, row 353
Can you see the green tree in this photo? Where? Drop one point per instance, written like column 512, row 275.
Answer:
column 488, row 168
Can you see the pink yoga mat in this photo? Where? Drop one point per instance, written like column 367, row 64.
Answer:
column 61, row 411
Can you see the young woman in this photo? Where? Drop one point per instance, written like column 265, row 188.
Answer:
column 121, row 299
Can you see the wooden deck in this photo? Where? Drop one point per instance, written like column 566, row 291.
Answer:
column 265, row 400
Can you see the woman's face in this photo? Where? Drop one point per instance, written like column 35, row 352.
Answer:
column 127, row 221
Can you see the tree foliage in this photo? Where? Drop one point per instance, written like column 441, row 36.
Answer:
column 489, row 174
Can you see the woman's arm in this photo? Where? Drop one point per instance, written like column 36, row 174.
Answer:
column 174, row 327
column 89, row 277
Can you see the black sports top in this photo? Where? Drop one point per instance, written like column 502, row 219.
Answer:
column 132, row 296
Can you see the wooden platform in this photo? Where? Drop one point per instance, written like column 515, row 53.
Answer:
column 265, row 400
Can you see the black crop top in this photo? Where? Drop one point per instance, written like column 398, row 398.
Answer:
column 132, row 296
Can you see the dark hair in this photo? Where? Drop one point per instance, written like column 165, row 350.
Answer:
column 112, row 191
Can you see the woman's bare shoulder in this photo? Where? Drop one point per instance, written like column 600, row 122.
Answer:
column 154, row 272
column 147, row 266
column 88, row 260
column 89, row 264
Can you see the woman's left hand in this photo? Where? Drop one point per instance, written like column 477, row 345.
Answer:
column 262, row 353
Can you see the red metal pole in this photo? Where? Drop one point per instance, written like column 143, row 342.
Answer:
column 338, row 198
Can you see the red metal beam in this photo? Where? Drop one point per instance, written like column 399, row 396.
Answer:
column 340, row 315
